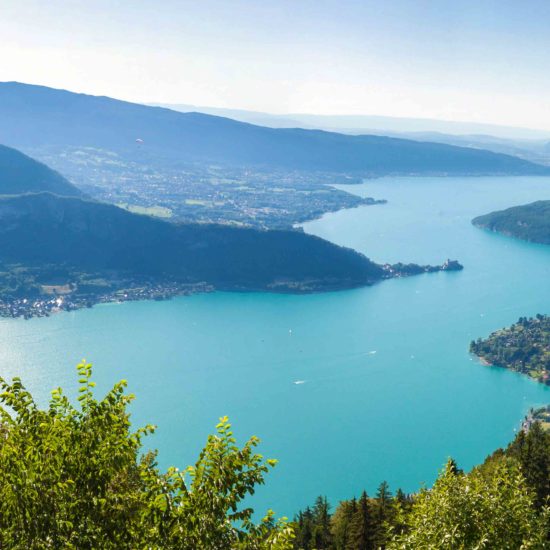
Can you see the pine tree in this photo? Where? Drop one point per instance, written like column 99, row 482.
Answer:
column 304, row 530
column 361, row 527
column 401, row 497
column 341, row 521
column 321, row 519
column 383, row 512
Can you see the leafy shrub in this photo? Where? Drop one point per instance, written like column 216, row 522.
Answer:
column 74, row 477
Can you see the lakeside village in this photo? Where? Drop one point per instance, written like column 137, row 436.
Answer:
column 58, row 299
column 43, row 300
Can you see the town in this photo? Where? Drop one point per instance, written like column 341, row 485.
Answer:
column 261, row 198
column 46, row 305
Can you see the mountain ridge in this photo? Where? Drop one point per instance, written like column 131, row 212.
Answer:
column 44, row 229
column 20, row 173
column 33, row 116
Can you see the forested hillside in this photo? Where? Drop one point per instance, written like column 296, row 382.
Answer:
column 530, row 222
column 43, row 229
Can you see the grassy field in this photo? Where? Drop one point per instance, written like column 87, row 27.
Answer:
column 156, row 211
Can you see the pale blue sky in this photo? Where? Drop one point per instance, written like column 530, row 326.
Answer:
column 485, row 61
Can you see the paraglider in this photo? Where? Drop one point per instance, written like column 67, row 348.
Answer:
column 139, row 141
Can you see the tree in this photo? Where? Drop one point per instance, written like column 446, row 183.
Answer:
column 383, row 514
column 402, row 506
column 361, row 527
column 475, row 511
column 321, row 518
column 303, row 528
column 73, row 478
column 532, row 450
column 341, row 521
column 402, row 498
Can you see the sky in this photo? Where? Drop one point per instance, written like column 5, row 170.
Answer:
column 480, row 61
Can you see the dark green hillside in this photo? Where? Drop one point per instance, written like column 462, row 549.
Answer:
column 45, row 229
column 530, row 222
column 36, row 116
column 22, row 174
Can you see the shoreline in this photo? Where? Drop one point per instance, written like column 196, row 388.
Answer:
column 520, row 348
column 365, row 201
column 44, row 305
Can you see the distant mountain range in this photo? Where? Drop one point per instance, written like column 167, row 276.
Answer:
column 388, row 125
column 529, row 144
column 530, row 222
column 33, row 116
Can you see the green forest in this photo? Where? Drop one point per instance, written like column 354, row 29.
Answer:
column 76, row 476
column 530, row 222
column 524, row 347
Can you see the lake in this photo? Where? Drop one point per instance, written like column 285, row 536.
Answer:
column 386, row 387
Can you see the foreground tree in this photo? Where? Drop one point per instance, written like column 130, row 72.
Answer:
column 464, row 511
column 74, row 478
column 532, row 451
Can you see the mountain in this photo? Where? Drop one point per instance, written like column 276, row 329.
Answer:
column 34, row 116
column 252, row 117
column 530, row 222
column 387, row 125
column 44, row 229
column 533, row 150
column 22, row 174
column 528, row 144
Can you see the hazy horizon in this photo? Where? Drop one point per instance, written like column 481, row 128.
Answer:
column 467, row 63
column 462, row 126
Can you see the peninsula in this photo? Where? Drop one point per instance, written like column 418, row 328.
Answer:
column 61, row 250
column 530, row 222
column 524, row 347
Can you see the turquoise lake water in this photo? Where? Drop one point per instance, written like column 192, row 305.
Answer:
column 389, row 390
